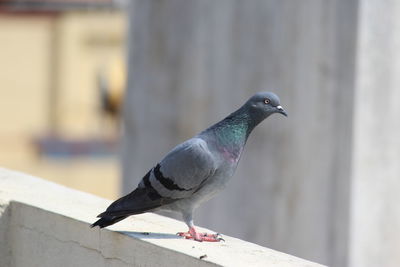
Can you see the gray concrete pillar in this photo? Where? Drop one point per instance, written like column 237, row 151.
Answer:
column 375, row 197
column 192, row 62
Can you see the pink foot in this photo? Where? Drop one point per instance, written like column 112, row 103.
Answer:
column 192, row 234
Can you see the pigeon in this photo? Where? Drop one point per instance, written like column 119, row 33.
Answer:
column 196, row 170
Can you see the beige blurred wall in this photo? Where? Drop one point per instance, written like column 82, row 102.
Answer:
column 90, row 43
column 48, row 69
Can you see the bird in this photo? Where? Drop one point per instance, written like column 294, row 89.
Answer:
column 195, row 170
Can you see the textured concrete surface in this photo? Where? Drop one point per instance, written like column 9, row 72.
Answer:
column 193, row 62
column 45, row 224
column 375, row 214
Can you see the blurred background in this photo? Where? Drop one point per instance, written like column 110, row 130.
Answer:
column 94, row 93
column 62, row 76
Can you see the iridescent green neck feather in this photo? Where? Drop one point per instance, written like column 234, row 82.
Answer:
column 230, row 134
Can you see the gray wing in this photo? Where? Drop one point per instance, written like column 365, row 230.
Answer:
column 183, row 171
column 180, row 174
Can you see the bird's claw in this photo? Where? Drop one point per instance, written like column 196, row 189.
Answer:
column 202, row 237
column 219, row 237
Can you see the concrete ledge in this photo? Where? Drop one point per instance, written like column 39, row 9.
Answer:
column 45, row 224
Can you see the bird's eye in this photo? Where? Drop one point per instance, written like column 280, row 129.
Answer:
column 267, row 101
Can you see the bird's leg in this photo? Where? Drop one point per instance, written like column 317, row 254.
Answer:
column 193, row 234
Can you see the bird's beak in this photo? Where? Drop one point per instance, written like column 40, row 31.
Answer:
column 281, row 110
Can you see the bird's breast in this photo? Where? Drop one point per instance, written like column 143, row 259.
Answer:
column 231, row 155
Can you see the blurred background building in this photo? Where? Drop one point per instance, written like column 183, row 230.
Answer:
column 61, row 73
column 321, row 184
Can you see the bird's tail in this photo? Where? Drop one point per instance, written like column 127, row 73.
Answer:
column 134, row 203
column 106, row 221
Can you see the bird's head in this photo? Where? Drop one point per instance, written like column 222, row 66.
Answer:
column 264, row 104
